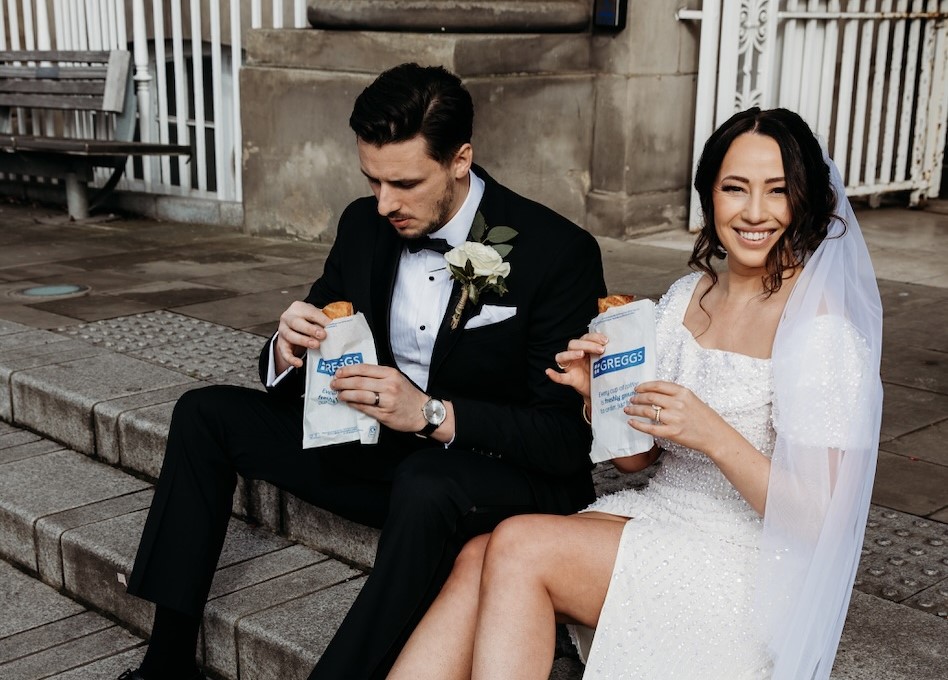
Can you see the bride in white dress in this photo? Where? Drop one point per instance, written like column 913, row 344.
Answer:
column 737, row 560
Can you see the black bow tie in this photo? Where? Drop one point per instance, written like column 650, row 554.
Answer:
column 439, row 245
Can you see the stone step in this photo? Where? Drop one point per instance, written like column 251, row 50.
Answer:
column 76, row 522
column 107, row 390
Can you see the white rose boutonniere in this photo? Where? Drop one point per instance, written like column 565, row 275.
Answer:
column 479, row 264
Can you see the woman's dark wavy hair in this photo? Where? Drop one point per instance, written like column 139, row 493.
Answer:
column 810, row 194
column 409, row 100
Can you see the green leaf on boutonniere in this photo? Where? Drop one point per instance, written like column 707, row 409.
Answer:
column 500, row 235
column 478, row 227
column 503, row 249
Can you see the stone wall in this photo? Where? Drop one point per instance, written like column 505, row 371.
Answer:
column 597, row 126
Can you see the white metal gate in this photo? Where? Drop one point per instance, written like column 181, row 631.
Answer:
column 870, row 77
column 187, row 55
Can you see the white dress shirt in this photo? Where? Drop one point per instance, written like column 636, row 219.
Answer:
column 420, row 297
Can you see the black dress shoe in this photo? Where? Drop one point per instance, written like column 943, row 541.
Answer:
column 135, row 675
column 130, row 674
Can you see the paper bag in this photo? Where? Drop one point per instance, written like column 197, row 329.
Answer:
column 628, row 361
column 326, row 420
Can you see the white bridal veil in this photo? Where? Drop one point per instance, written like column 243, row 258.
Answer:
column 827, row 414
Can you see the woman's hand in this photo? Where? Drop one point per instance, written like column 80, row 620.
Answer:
column 574, row 365
column 674, row 412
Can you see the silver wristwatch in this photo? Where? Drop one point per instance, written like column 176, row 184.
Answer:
column 434, row 413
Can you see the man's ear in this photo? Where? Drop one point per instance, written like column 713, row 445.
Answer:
column 461, row 163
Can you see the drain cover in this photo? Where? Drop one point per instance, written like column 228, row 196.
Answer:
column 53, row 291
column 60, row 290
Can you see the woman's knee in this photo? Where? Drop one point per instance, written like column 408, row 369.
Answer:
column 469, row 564
column 518, row 544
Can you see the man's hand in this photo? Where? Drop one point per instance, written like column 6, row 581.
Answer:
column 301, row 328
column 388, row 396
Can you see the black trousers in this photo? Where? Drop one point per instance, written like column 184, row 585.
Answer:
column 428, row 501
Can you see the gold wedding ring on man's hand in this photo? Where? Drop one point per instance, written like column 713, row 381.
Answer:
column 378, row 398
column 563, row 367
column 658, row 413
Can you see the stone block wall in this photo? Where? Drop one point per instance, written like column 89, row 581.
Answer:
column 598, row 126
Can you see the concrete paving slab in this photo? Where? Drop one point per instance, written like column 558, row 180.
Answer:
column 142, row 435
column 50, row 634
column 247, row 310
column 906, row 409
column 17, row 438
column 916, row 367
column 35, row 318
column 926, row 444
column 256, row 280
column 914, row 327
column 884, row 641
column 26, row 358
column 94, row 555
column 108, row 668
column 329, row 533
column 59, row 400
column 264, row 503
column 28, row 604
column 27, row 339
column 11, row 327
column 224, row 614
column 32, row 488
column 262, row 568
column 106, row 416
column 93, row 307
column 162, row 294
column 98, row 557
column 75, row 653
column 28, row 450
column 51, row 529
column 284, row 643
column 913, row 486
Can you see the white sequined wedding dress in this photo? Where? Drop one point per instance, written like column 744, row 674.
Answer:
column 679, row 603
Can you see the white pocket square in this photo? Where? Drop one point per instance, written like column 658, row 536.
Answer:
column 490, row 314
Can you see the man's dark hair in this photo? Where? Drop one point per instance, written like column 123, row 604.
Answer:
column 409, row 100
column 809, row 192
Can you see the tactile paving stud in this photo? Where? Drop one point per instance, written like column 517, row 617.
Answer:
column 905, row 559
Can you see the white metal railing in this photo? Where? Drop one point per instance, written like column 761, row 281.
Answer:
column 187, row 56
column 870, row 76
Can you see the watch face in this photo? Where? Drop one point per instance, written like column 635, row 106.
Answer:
column 434, row 411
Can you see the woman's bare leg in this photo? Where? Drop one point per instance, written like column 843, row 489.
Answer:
column 442, row 645
column 538, row 566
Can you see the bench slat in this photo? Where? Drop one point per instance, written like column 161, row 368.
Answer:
column 65, row 87
column 84, row 57
column 88, row 147
column 57, row 72
column 41, row 101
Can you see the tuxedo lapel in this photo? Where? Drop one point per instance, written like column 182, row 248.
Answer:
column 388, row 250
column 447, row 338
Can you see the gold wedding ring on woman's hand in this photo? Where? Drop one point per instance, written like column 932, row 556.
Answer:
column 658, row 413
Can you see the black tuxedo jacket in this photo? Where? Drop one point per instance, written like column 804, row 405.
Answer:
column 504, row 404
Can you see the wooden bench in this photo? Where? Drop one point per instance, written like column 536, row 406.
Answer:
column 40, row 93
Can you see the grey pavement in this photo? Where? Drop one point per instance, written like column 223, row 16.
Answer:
column 88, row 379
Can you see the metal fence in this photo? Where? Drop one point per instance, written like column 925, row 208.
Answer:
column 187, row 56
column 870, row 76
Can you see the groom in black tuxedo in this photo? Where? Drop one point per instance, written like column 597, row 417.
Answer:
column 472, row 431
